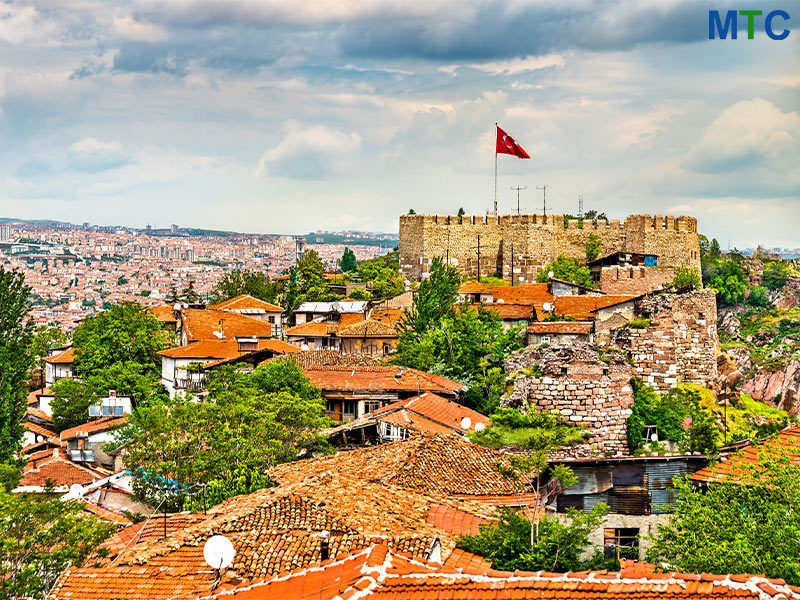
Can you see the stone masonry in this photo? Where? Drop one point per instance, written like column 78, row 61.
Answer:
column 573, row 381
column 680, row 344
column 634, row 281
column 532, row 241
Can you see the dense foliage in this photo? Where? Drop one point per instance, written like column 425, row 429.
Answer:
column 775, row 275
column 41, row 536
column 594, row 244
column 747, row 522
column 457, row 340
column 509, row 426
column 684, row 277
column 126, row 333
column 245, row 282
column 383, row 273
column 507, row 543
column 307, row 283
column 348, row 261
column 249, row 423
column 678, row 415
column 567, row 269
column 16, row 360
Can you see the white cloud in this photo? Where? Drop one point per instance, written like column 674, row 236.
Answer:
column 21, row 24
column 130, row 28
column 513, row 66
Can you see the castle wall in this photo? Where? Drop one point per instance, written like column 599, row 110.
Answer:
column 634, row 281
column 680, row 344
column 575, row 383
column 536, row 240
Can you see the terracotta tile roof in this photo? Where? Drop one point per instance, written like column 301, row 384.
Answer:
column 788, row 439
column 99, row 425
column 369, row 328
column 225, row 349
column 201, row 324
column 390, row 316
column 246, row 303
column 105, row 514
column 379, row 573
column 527, row 294
column 380, row 377
column 443, row 465
column 455, row 521
column 33, row 397
column 38, row 429
column 583, row 307
column 467, row 561
column 35, row 412
column 313, row 328
column 562, row 327
column 56, row 468
column 164, row 314
column 510, row 311
column 132, row 583
column 66, row 357
column 434, row 408
column 308, row 358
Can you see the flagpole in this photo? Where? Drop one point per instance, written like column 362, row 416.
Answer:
column 495, row 170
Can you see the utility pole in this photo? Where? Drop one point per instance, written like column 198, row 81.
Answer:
column 517, row 189
column 580, row 205
column 512, row 265
column 544, row 198
column 447, row 251
column 479, row 258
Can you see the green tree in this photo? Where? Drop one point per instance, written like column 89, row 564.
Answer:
column 189, row 294
column 249, row 423
column 125, row 333
column 16, row 360
column 746, row 521
column 593, row 246
column 729, row 281
column 360, row 294
column 684, row 277
column 775, row 275
column 348, row 261
column 567, row 269
column 411, row 211
column 39, row 538
column 758, row 297
column 245, row 282
column 713, row 251
column 46, row 337
column 383, row 273
column 70, row 404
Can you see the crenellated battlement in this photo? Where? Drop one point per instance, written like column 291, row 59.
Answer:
column 536, row 239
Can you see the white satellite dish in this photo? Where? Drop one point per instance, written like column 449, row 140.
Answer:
column 465, row 423
column 304, row 347
column 479, row 426
column 218, row 552
column 550, row 274
column 75, row 491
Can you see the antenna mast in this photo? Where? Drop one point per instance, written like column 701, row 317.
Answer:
column 518, row 189
column 580, row 205
column 544, row 198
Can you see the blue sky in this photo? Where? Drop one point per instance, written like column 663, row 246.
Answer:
column 275, row 116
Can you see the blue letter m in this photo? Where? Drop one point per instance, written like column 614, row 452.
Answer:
column 715, row 23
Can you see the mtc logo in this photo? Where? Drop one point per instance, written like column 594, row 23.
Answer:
column 716, row 26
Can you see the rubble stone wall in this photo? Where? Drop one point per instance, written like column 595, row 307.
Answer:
column 532, row 241
column 573, row 381
column 680, row 344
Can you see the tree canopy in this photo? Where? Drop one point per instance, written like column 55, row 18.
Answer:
column 567, row 269
column 745, row 522
column 383, row 273
column 348, row 261
column 126, row 333
column 16, row 360
column 245, row 282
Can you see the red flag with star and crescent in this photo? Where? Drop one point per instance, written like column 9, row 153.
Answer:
column 507, row 145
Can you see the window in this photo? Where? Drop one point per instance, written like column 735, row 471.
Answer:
column 544, row 339
column 371, row 405
column 622, row 543
column 329, row 406
column 392, row 432
column 387, row 348
column 271, row 319
column 350, row 407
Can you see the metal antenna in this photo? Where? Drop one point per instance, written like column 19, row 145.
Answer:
column 544, row 198
column 580, row 205
column 518, row 189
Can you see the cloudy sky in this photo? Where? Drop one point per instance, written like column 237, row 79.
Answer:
column 288, row 116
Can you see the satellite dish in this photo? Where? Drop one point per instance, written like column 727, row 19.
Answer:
column 304, row 347
column 500, row 301
column 218, row 552
column 465, row 423
column 550, row 274
column 75, row 490
column 176, row 307
column 479, row 426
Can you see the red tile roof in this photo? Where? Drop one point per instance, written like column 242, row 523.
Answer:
column 378, row 573
column 312, row 328
column 225, row 349
column 164, row 314
column 97, row 426
column 787, row 440
column 307, row 358
column 562, row 327
column 201, row 324
column 583, row 307
column 510, row 311
column 455, row 521
column 66, row 357
column 56, row 468
column 527, row 294
column 246, row 303
column 370, row 328
column 380, row 377
column 430, row 408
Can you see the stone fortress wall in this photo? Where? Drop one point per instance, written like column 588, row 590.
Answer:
column 536, row 240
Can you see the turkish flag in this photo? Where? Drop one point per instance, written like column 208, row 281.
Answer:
column 507, row 145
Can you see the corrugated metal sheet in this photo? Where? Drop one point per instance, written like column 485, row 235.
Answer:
column 628, row 475
column 591, row 480
column 587, row 502
column 629, row 502
column 662, row 501
column 592, row 500
column 660, row 474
